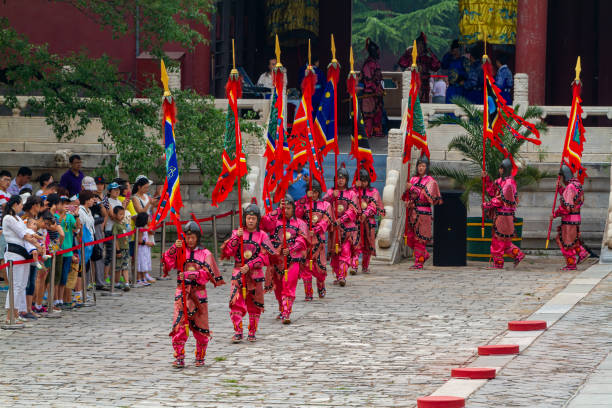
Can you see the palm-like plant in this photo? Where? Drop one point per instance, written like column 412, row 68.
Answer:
column 470, row 145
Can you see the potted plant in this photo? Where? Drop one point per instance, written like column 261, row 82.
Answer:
column 469, row 177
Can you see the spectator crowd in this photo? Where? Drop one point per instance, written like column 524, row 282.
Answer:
column 60, row 215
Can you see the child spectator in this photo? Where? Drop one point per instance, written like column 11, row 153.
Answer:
column 110, row 202
column 69, row 224
column 55, row 236
column 122, row 266
column 35, row 248
column 146, row 241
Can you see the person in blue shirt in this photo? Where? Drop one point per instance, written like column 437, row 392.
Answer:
column 503, row 78
column 475, row 77
column 298, row 189
column 455, row 64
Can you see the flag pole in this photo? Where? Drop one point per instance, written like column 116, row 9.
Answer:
column 180, row 255
column 412, row 68
column 336, row 151
column 280, row 146
column 484, row 143
column 576, row 81
column 237, row 158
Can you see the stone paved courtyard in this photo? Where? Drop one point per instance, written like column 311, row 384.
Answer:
column 384, row 340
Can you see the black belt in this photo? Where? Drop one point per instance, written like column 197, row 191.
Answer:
column 504, row 213
column 18, row 250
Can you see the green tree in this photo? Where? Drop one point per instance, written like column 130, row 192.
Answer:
column 75, row 89
column 395, row 27
column 468, row 177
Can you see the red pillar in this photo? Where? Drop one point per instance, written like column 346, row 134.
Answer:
column 531, row 46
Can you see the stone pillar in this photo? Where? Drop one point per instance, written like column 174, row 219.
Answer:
column 521, row 91
column 531, row 46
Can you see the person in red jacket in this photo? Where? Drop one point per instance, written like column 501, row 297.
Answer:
column 292, row 254
column 256, row 247
column 199, row 267
column 568, row 237
column 502, row 206
column 316, row 213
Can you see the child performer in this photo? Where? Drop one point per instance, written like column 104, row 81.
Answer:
column 370, row 206
column 320, row 220
column 249, row 277
column 296, row 243
column 421, row 193
column 199, row 267
column 504, row 199
column 344, row 233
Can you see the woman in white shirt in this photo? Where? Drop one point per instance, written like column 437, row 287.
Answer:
column 140, row 197
column 15, row 234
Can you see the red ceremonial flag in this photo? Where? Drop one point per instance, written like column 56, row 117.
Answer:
column 360, row 145
column 171, row 200
column 495, row 113
column 236, row 167
column 415, row 126
column 574, row 136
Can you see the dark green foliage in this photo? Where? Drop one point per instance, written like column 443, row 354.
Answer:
column 76, row 89
column 395, row 28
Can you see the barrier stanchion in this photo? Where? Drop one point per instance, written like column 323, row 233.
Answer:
column 215, row 242
column 11, row 294
column 163, row 249
column 84, row 277
column 51, row 313
column 135, row 268
column 93, row 279
column 112, row 292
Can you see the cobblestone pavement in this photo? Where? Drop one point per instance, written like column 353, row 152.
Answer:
column 384, row 340
column 550, row 371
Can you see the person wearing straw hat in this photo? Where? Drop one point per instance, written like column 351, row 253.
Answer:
column 199, row 268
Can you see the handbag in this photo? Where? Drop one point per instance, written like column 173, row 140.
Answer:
column 96, row 254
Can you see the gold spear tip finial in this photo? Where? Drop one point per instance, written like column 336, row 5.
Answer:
column 234, row 70
column 164, row 79
column 352, row 60
column 333, row 49
column 415, row 53
column 578, row 69
column 278, row 53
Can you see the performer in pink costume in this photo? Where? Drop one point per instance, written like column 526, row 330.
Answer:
column 568, row 237
column 343, row 236
column 502, row 206
column 257, row 247
column 370, row 205
column 296, row 240
column 316, row 265
column 199, row 268
column 421, row 193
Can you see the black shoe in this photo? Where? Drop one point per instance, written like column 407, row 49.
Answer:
column 103, row 288
column 237, row 338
